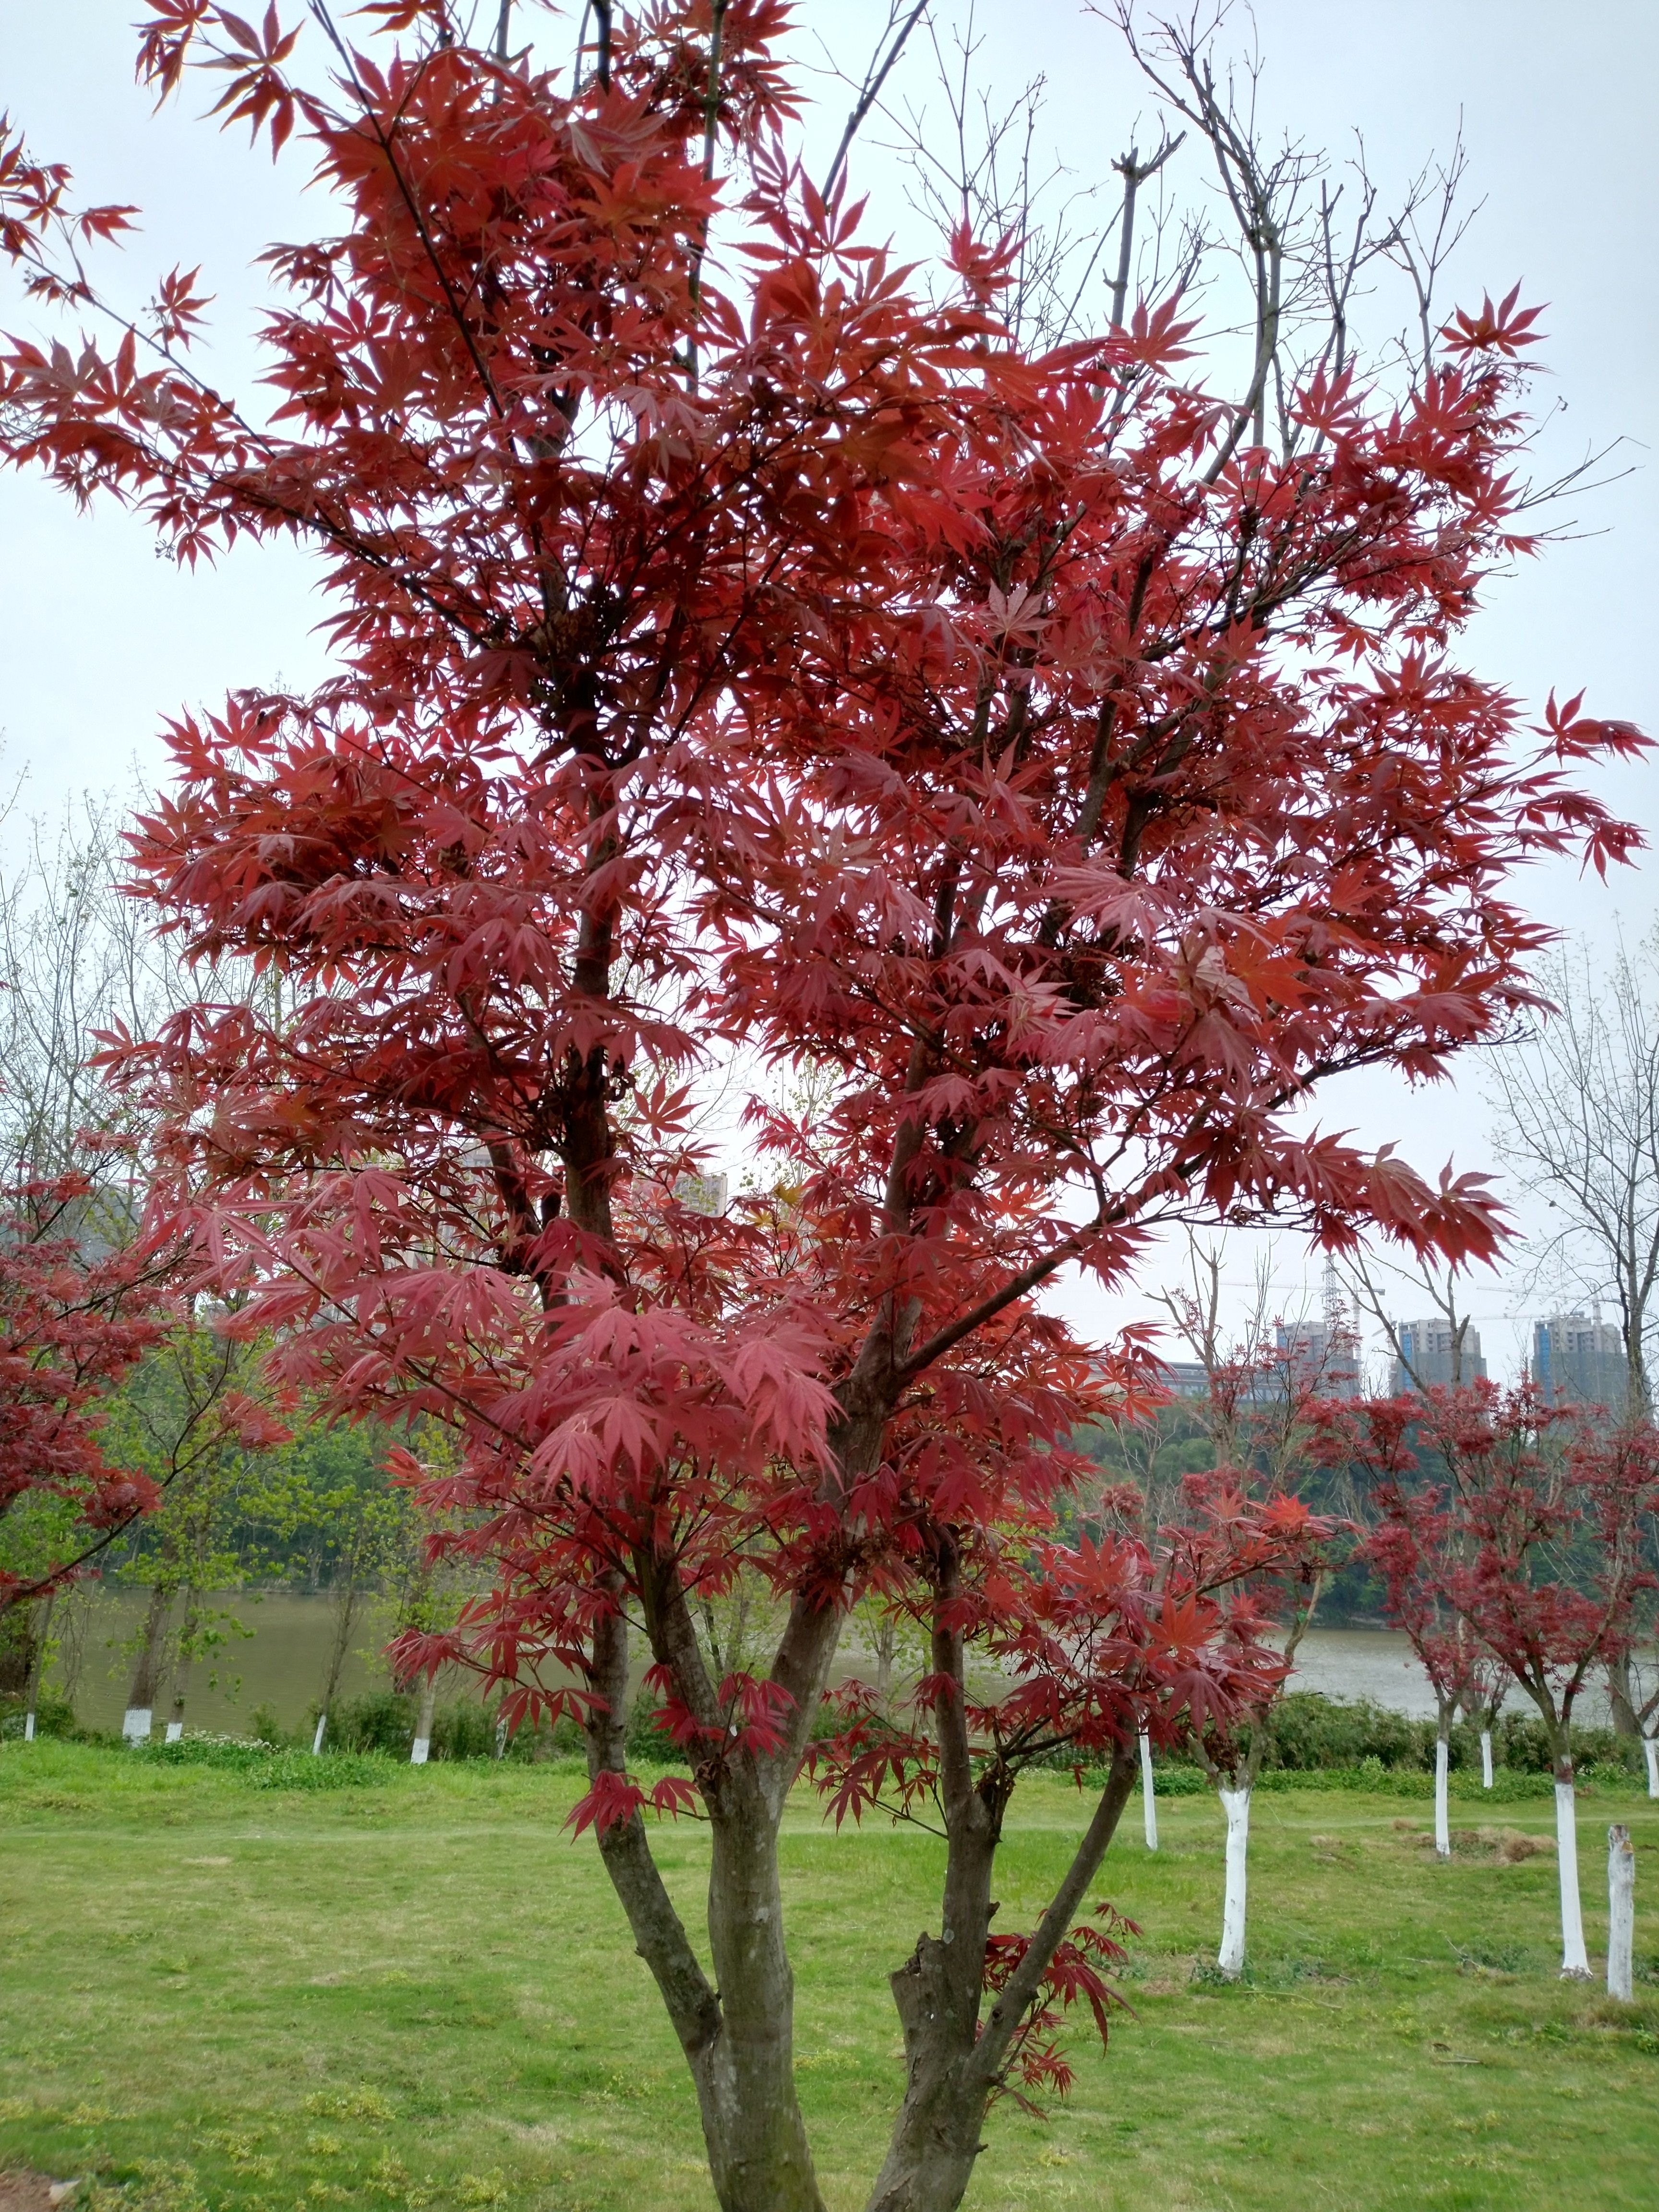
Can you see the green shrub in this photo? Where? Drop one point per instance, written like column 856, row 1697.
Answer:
column 53, row 1717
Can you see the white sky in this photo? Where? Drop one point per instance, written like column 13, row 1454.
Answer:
column 99, row 640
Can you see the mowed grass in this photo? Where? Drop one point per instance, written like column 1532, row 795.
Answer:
column 422, row 1993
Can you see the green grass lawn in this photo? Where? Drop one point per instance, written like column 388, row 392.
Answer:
column 420, row 1994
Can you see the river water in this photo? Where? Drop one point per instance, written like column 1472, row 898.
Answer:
column 279, row 1661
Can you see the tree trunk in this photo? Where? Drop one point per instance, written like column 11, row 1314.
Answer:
column 37, row 1667
column 1575, row 1959
column 1621, row 1913
column 181, row 1670
column 1236, row 1804
column 953, row 2064
column 1650, row 1749
column 423, row 1743
column 1442, row 1809
column 346, row 1600
column 1621, row 1699
column 737, row 2036
column 1148, row 1791
column 758, row 2155
column 1486, row 1759
column 147, row 1668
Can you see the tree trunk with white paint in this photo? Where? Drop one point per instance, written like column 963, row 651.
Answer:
column 136, row 1721
column 1575, row 1959
column 1486, row 1759
column 1148, row 1792
column 317, row 1740
column 38, row 1667
column 1650, row 1748
column 1236, row 1804
column 1621, row 1913
column 423, row 1743
column 1442, row 1807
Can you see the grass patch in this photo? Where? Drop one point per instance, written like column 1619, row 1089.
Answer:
column 225, row 1990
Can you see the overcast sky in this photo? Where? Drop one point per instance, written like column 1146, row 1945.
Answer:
column 98, row 640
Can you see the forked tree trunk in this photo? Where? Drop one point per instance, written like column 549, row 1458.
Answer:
column 1575, row 1959
column 1621, row 1913
column 147, row 1668
column 1148, row 1792
column 737, row 2032
column 953, row 2062
column 1236, row 1804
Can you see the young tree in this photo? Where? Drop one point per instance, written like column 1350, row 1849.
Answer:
column 742, row 651
column 189, row 1416
column 71, row 1324
column 1412, row 1547
column 1532, row 1534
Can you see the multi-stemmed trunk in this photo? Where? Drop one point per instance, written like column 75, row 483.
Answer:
column 737, row 2032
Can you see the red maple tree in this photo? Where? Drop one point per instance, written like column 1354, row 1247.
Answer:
column 1516, row 1522
column 746, row 658
column 74, row 1316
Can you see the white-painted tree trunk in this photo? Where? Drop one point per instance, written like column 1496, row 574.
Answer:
column 1651, row 1748
column 501, row 1739
column 28, row 1727
column 317, row 1740
column 1575, row 1959
column 1486, row 1759
column 1442, row 1807
column 175, row 1729
column 135, row 1724
column 1621, row 1913
column 1148, row 1792
column 423, row 1743
column 1236, row 1804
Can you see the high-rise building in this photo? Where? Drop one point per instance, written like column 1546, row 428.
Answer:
column 1426, row 1352
column 1578, row 1361
column 1322, row 1356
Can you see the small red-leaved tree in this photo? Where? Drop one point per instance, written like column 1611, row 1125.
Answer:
column 1529, row 1528
column 74, row 1316
column 791, row 665
column 1417, row 1545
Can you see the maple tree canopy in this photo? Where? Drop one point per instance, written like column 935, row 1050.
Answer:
column 752, row 654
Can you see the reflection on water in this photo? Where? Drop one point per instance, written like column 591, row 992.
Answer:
column 281, row 1664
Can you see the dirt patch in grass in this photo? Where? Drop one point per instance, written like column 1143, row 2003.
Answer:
column 1507, row 1846
column 35, row 2192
